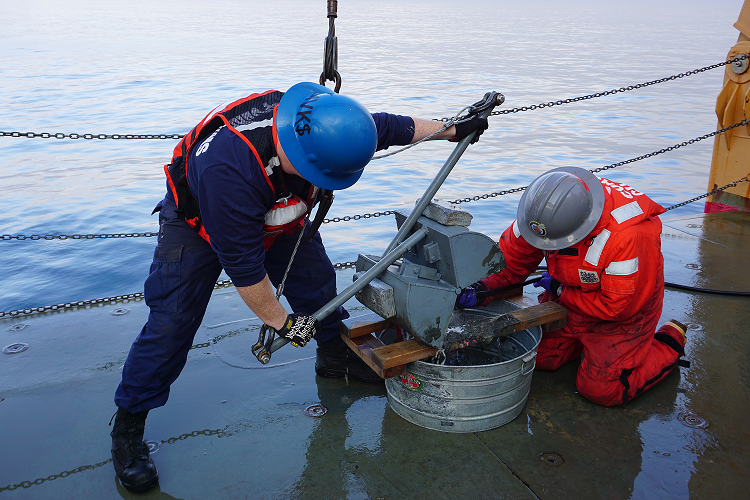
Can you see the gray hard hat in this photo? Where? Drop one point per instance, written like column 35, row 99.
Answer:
column 560, row 208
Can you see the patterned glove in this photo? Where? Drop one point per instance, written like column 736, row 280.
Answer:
column 549, row 283
column 299, row 329
column 465, row 128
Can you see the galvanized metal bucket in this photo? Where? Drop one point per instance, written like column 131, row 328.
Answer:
column 469, row 398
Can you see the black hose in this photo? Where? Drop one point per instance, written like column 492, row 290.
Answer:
column 706, row 290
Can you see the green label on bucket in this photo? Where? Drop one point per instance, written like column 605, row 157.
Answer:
column 411, row 381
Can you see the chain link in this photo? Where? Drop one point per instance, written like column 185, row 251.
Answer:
column 135, row 297
column 732, row 184
column 617, row 91
column 41, row 480
column 47, row 135
column 36, row 237
column 346, row 218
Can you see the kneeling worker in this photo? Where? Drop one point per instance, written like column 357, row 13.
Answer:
column 602, row 243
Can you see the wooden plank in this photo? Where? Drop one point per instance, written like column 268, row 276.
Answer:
column 401, row 353
column 363, row 346
column 525, row 301
column 363, row 325
column 521, row 319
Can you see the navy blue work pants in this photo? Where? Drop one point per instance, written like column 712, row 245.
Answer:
column 178, row 289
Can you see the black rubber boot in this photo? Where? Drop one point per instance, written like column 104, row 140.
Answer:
column 335, row 360
column 130, row 456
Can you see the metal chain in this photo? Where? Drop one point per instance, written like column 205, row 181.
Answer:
column 47, row 135
column 136, row 297
column 41, row 480
column 616, row 91
column 347, row 218
column 670, row 148
column 371, row 215
column 732, row 184
column 35, row 237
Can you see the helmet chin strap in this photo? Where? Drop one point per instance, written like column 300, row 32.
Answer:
column 325, row 200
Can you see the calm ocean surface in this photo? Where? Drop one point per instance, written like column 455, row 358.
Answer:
column 143, row 67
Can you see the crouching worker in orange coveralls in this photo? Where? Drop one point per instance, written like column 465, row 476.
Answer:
column 601, row 240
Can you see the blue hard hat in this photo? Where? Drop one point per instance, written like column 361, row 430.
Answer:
column 328, row 138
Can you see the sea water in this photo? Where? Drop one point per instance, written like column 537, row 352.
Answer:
column 142, row 67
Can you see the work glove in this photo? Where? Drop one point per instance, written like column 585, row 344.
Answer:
column 465, row 128
column 550, row 284
column 299, row 329
column 468, row 296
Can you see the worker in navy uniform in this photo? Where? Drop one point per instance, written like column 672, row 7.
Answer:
column 240, row 187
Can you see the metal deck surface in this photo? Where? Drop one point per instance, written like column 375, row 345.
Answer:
column 236, row 429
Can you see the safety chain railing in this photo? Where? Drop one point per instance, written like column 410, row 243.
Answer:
column 135, row 297
column 617, row 91
column 670, row 148
column 48, row 135
column 35, row 237
column 731, row 184
column 346, row 218
column 82, row 468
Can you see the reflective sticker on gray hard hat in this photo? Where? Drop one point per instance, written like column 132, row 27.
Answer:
column 538, row 228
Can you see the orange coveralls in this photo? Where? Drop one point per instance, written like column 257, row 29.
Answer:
column 613, row 288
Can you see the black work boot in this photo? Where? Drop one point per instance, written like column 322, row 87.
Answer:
column 130, row 456
column 335, row 360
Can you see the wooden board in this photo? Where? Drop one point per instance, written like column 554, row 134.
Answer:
column 390, row 360
column 363, row 346
column 547, row 313
column 363, row 325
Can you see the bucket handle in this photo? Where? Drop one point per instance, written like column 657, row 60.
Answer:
column 529, row 362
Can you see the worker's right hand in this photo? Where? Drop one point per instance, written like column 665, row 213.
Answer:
column 299, row 329
column 475, row 124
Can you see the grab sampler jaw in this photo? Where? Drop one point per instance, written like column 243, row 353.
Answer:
column 419, row 292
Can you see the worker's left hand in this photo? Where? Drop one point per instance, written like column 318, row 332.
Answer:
column 465, row 128
column 467, row 298
column 549, row 283
column 299, row 329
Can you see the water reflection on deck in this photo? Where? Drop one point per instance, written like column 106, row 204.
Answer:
column 236, row 429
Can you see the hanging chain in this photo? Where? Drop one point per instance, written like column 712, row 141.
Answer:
column 670, row 148
column 47, row 135
column 346, row 218
column 732, row 184
column 329, row 69
column 617, row 91
column 35, row 237
column 135, row 297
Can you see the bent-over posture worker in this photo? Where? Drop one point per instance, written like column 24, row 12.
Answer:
column 602, row 243
column 239, row 189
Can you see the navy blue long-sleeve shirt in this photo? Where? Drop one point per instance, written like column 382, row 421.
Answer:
column 234, row 196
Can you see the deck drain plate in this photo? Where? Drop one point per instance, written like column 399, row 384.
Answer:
column 15, row 348
column 153, row 446
column 692, row 420
column 552, row 459
column 120, row 311
column 316, row 411
column 15, row 328
column 694, row 326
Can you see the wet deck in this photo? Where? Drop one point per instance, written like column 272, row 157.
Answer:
column 236, row 429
